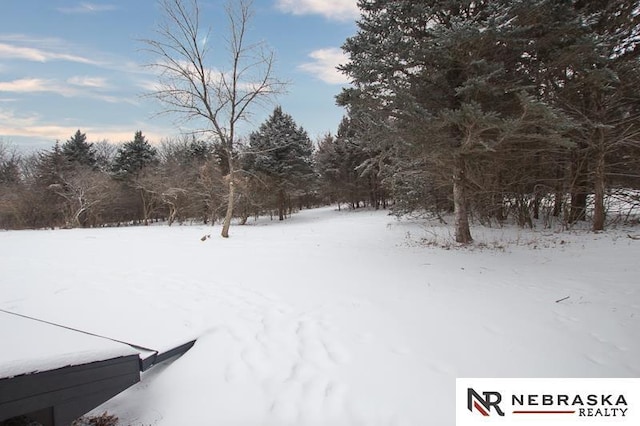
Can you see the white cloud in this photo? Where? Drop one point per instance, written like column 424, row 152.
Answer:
column 338, row 10
column 35, row 85
column 11, row 51
column 45, row 49
column 73, row 87
column 33, row 126
column 148, row 85
column 19, row 121
column 92, row 82
column 324, row 65
column 85, row 7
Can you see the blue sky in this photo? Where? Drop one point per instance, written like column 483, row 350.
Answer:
column 68, row 65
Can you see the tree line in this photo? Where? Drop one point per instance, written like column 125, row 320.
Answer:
column 497, row 109
column 78, row 183
column 501, row 110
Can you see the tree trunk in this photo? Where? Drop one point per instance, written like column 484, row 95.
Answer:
column 173, row 212
column 461, row 214
column 281, row 205
column 145, row 208
column 229, row 215
column 579, row 183
column 599, row 185
column 557, row 203
column 537, row 199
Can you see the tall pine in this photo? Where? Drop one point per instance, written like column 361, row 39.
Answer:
column 280, row 153
column 132, row 157
column 78, row 151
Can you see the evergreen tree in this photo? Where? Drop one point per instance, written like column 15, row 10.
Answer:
column 134, row 156
column 281, row 152
column 597, row 88
column 327, row 162
column 51, row 166
column 349, row 168
column 449, row 80
column 51, row 170
column 134, row 164
column 9, row 166
column 78, row 151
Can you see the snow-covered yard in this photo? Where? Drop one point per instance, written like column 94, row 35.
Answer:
column 332, row 318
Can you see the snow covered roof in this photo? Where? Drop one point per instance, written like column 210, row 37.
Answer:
column 30, row 346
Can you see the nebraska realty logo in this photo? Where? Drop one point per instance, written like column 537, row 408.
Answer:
column 548, row 401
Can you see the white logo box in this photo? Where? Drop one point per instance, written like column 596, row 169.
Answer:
column 548, row 401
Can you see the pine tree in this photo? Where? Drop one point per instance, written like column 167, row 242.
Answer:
column 450, row 81
column 50, row 173
column 134, row 156
column 78, row 151
column 349, row 168
column 281, row 151
column 597, row 89
column 327, row 162
column 51, row 166
column 9, row 166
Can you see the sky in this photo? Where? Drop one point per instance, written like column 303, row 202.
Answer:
column 67, row 65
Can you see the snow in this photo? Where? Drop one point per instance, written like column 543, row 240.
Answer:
column 340, row 318
column 29, row 346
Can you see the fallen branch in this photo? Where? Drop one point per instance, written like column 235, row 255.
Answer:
column 564, row 298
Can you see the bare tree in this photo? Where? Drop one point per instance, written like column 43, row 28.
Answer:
column 190, row 85
column 105, row 153
column 83, row 190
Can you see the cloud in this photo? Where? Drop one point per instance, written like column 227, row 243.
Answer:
column 8, row 51
column 33, row 126
column 338, row 10
column 45, row 49
column 73, row 87
column 148, row 85
column 324, row 65
column 19, row 121
column 92, row 82
column 85, row 8
column 35, row 85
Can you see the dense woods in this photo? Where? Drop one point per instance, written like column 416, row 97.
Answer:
column 488, row 111
column 498, row 109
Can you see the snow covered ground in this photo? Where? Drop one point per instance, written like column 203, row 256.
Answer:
column 332, row 318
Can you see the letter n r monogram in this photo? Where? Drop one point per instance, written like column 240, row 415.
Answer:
column 484, row 404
